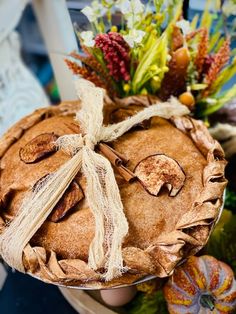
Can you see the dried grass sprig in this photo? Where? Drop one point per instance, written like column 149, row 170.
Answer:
column 91, row 62
column 85, row 73
column 202, row 51
column 73, row 66
column 192, row 34
column 86, row 50
column 220, row 60
column 177, row 38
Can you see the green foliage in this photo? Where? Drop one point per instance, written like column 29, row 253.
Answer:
column 207, row 17
column 214, row 104
column 224, row 77
column 230, row 200
column 222, row 244
column 156, row 56
column 148, row 304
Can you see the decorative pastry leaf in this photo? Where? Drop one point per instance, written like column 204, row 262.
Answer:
column 159, row 170
column 38, row 148
column 137, row 259
column 71, row 197
column 78, row 269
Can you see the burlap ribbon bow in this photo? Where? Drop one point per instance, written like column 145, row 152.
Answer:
column 102, row 192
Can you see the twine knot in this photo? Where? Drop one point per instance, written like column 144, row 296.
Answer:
column 90, row 141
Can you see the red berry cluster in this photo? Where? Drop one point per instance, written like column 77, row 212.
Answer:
column 116, row 53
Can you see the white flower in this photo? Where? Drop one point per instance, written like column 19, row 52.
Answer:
column 130, row 20
column 132, row 10
column 184, row 26
column 89, row 13
column 124, row 6
column 229, row 7
column 169, row 3
column 94, row 11
column 137, row 7
column 87, row 38
column 134, row 37
column 128, row 7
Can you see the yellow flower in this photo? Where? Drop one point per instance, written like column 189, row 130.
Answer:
column 155, row 82
column 207, row 123
column 126, row 88
column 159, row 17
column 154, row 32
column 144, row 91
column 148, row 28
column 154, row 68
column 114, row 29
column 165, row 69
column 156, row 78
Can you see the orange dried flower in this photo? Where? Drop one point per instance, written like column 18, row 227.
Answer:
column 85, row 49
column 220, row 59
column 202, row 51
column 92, row 63
column 73, row 66
column 177, row 38
column 193, row 34
column 85, row 73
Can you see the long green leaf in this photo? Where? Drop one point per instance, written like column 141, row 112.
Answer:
column 213, row 40
column 219, row 44
column 225, row 75
column 194, row 22
column 149, row 58
column 207, row 17
column 178, row 11
column 233, row 52
column 230, row 94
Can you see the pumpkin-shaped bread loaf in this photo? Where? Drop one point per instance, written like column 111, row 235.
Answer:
column 171, row 180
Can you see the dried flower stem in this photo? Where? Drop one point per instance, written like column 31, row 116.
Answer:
column 94, row 65
column 177, row 38
column 85, row 73
column 202, row 51
column 193, row 34
column 220, row 59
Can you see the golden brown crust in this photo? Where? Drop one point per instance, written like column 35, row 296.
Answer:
column 163, row 230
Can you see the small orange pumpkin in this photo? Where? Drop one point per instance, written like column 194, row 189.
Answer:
column 201, row 285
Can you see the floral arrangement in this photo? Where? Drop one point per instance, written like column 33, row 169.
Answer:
column 154, row 51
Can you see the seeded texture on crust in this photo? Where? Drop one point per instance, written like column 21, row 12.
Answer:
column 163, row 229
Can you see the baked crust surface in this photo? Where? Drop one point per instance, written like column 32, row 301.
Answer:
column 163, row 229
